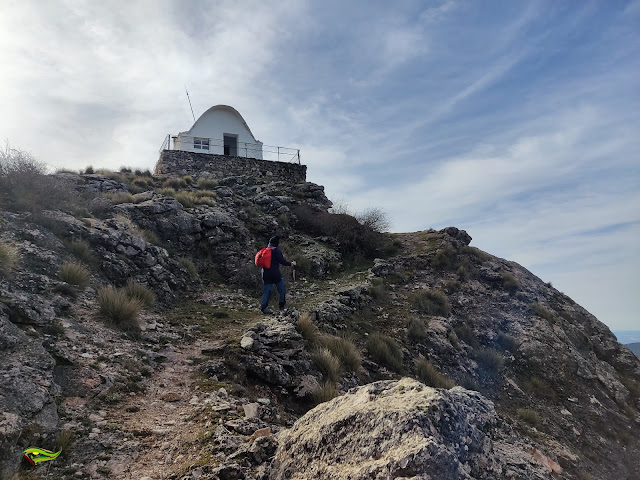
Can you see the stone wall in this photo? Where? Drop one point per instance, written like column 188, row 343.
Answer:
column 179, row 163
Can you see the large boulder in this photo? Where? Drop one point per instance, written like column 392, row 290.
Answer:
column 402, row 429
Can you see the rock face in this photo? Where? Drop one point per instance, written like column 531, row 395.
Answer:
column 401, row 429
column 26, row 395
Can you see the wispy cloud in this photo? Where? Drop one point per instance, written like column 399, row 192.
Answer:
column 518, row 123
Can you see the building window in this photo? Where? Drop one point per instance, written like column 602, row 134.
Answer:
column 201, row 143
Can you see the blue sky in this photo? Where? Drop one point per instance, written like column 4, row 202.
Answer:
column 516, row 121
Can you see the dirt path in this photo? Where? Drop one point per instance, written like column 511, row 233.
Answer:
column 157, row 422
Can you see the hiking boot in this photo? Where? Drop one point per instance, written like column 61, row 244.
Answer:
column 281, row 306
column 267, row 311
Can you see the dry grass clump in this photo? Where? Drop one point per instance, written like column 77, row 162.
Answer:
column 429, row 375
column 344, row 350
column 120, row 197
column 324, row 392
column 83, row 251
column 151, row 237
column 140, row 292
column 307, row 328
column 207, row 182
column 117, row 308
column 529, row 416
column 327, row 363
column 75, row 273
column 175, row 183
column 385, row 350
column 417, row 329
column 8, row 257
column 432, row 302
column 189, row 266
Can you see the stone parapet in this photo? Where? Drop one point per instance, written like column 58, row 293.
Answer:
column 180, row 163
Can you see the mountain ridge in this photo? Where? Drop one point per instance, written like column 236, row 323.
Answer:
column 422, row 304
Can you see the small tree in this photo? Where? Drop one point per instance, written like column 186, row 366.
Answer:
column 374, row 218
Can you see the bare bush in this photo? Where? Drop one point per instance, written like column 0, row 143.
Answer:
column 25, row 185
column 374, row 218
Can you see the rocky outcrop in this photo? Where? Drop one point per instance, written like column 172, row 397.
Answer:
column 27, row 390
column 403, row 429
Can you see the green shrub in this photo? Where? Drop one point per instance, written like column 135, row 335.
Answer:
column 475, row 253
column 490, row 359
column 189, row 266
column 307, row 328
column 529, row 416
column 167, row 192
column 467, row 335
column 540, row 388
column 378, row 290
column 324, row 392
column 327, row 363
column 417, row 329
column 429, row 375
column 115, row 307
column 509, row 282
column 543, row 312
column 140, row 292
column 344, row 350
column 75, row 273
column 462, row 273
column 385, row 350
column 507, row 342
column 207, row 182
column 8, row 257
column 444, row 258
column 83, row 251
column 431, row 302
column 469, row 383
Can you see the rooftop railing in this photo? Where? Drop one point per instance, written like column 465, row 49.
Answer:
column 218, row 147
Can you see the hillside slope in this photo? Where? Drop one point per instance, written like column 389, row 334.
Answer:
column 203, row 386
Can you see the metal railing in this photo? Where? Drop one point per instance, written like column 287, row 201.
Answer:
column 243, row 149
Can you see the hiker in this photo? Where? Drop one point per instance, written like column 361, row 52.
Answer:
column 271, row 276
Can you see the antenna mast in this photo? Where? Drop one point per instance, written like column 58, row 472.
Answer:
column 194, row 117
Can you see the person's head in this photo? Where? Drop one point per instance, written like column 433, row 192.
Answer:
column 274, row 241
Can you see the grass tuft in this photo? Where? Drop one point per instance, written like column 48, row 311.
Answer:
column 529, row 416
column 489, row 359
column 83, row 251
column 207, row 182
column 385, row 350
column 307, row 328
column 140, row 292
column 509, row 283
column 467, row 335
column 431, row 302
column 429, row 375
column 75, row 273
column 115, row 307
column 189, row 266
column 344, row 350
column 417, row 329
column 327, row 363
column 8, row 257
column 325, row 392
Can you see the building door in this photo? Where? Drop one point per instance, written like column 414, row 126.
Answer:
column 231, row 145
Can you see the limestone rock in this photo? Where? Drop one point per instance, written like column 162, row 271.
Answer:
column 396, row 429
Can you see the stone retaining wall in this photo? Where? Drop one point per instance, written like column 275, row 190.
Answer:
column 179, row 163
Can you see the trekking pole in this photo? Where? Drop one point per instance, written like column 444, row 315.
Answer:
column 293, row 293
